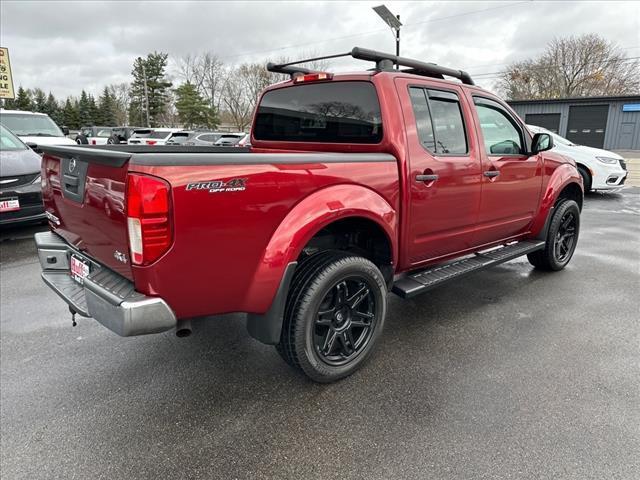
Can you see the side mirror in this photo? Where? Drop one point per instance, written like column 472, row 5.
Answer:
column 65, row 130
column 541, row 143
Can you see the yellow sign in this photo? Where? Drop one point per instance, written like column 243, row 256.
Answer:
column 6, row 82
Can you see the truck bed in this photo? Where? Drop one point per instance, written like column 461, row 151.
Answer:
column 222, row 236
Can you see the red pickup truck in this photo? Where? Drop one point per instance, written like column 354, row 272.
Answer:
column 356, row 184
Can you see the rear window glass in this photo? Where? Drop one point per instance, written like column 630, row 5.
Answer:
column 141, row 134
column 340, row 112
column 159, row 134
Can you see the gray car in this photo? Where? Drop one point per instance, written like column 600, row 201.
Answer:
column 20, row 189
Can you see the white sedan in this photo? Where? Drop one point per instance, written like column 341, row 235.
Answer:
column 155, row 136
column 600, row 169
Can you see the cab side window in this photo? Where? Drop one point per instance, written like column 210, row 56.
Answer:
column 423, row 118
column 439, row 121
column 501, row 134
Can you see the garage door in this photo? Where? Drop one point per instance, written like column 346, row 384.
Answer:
column 550, row 121
column 587, row 124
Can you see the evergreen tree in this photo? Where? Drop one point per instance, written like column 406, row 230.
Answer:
column 107, row 109
column 85, row 111
column 39, row 99
column 193, row 110
column 23, row 100
column 52, row 109
column 153, row 70
column 94, row 113
column 71, row 114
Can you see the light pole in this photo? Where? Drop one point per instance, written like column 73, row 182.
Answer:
column 393, row 21
column 146, row 93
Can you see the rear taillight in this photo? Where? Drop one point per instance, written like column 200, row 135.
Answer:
column 151, row 142
column 93, row 142
column 148, row 218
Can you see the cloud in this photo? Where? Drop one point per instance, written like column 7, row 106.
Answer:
column 65, row 47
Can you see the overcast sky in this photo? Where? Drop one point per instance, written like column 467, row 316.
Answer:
column 65, row 47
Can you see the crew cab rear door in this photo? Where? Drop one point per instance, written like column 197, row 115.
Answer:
column 443, row 170
column 511, row 178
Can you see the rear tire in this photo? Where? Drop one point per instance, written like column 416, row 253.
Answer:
column 81, row 140
column 586, row 179
column 334, row 315
column 562, row 238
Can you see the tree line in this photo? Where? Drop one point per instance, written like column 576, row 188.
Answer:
column 210, row 92
column 73, row 112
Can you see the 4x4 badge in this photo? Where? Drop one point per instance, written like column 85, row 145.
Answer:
column 218, row 186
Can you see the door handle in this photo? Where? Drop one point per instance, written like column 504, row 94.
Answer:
column 491, row 173
column 427, row 178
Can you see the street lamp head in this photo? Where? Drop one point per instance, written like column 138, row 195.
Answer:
column 388, row 17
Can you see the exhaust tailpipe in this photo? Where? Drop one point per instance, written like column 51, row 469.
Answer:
column 183, row 329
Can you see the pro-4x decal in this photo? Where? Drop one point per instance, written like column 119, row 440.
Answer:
column 218, row 186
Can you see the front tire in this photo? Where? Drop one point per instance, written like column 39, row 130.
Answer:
column 562, row 238
column 334, row 315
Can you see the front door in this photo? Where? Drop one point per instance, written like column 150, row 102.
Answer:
column 443, row 172
column 511, row 178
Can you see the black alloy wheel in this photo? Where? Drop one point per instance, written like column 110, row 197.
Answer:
column 565, row 238
column 345, row 321
column 561, row 239
column 334, row 315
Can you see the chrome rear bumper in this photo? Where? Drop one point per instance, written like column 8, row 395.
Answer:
column 104, row 295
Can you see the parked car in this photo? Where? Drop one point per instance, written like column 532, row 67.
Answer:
column 20, row 190
column 121, row 134
column 391, row 184
column 157, row 136
column 229, row 139
column 600, row 169
column 139, row 135
column 34, row 129
column 180, row 138
column 94, row 135
column 203, row 138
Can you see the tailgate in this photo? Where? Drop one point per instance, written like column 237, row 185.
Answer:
column 83, row 193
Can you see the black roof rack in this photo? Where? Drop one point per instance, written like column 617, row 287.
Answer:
column 384, row 62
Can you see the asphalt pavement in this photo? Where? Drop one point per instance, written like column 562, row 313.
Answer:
column 507, row 374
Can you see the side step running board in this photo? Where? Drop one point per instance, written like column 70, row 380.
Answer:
column 421, row 281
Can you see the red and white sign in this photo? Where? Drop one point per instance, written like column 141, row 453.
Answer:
column 79, row 269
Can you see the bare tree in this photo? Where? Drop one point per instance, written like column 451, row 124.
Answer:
column 188, row 69
column 214, row 76
column 207, row 73
column 169, row 115
column 581, row 66
column 120, row 94
column 237, row 100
